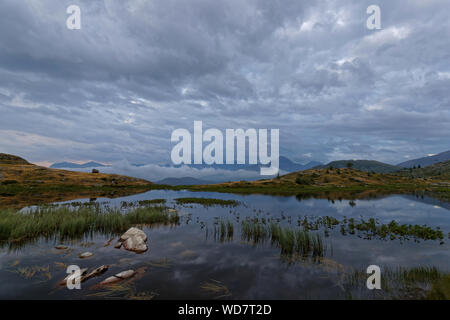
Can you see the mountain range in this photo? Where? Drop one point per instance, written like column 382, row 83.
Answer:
column 71, row 165
column 184, row 181
column 285, row 164
column 426, row 161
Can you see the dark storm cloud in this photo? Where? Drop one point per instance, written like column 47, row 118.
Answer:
column 115, row 90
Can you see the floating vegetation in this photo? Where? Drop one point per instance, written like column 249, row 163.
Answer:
column 162, row 263
column 66, row 223
column 208, row 202
column 43, row 272
column 116, row 290
column 152, row 201
column 142, row 203
column 61, row 265
column 372, row 228
column 217, row 288
column 290, row 241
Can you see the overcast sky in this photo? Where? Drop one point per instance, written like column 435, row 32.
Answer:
column 115, row 90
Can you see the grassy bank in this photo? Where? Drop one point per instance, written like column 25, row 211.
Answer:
column 65, row 223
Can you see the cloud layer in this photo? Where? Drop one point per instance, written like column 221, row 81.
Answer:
column 115, row 90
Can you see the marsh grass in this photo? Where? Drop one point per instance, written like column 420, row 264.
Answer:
column 399, row 282
column 290, row 241
column 372, row 228
column 223, row 231
column 207, row 202
column 66, row 223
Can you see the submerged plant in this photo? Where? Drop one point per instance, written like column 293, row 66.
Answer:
column 217, row 288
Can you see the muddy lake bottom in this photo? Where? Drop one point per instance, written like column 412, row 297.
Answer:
column 189, row 261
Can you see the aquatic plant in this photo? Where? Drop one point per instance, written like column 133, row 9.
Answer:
column 217, row 288
column 152, row 201
column 207, row 202
column 67, row 223
column 423, row 282
column 290, row 241
column 372, row 228
column 223, row 231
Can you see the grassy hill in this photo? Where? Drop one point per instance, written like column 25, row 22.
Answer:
column 436, row 171
column 336, row 183
column 363, row 165
column 319, row 180
column 21, row 182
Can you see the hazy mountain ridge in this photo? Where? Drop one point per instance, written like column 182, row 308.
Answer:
column 90, row 164
column 426, row 161
column 185, row 181
column 285, row 164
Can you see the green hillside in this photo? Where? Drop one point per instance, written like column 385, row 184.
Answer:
column 362, row 165
column 439, row 170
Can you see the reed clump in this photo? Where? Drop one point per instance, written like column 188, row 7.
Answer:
column 290, row 241
column 65, row 222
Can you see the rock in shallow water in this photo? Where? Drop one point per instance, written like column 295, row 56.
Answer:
column 119, row 277
column 95, row 272
column 86, row 255
column 133, row 240
column 134, row 233
column 72, row 277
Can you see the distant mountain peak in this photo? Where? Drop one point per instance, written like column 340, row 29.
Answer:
column 426, row 161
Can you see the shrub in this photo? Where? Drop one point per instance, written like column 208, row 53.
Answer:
column 303, row 180
column 6, row 182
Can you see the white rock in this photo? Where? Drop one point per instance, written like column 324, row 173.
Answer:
column 125, row 274
column 86, row 255
column 119, row 277
column 135, row 244
column 133, row 240
column 95, row 272
column 134, row 233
